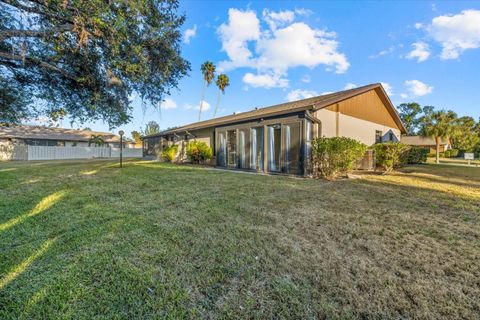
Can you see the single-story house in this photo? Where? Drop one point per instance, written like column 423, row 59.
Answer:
column 54, row 137
column 427, row 142
column 277, row 139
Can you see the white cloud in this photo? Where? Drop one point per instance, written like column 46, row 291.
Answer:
column 205, row 106
column 273, row 80
column 421, row 52
column 382, row 53
column 388, row 88
column 242, row 26
column 299, row 94
column 418, row 25
column 299, row 45
column 349, row 86
column 326, row 92
column 418, row 88
column 306, row 79
column 276, row 19
column 303, row 12
column 403, row 95
column 456, row 33
column 189, row 33
column 287, row 44
column 168, row 103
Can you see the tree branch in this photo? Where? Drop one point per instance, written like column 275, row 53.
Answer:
column 35, row 61
column 33, row 33
column 35, row 10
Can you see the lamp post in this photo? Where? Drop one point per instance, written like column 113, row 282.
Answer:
column 121, row 145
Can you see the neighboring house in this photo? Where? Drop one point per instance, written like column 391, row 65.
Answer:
column 277, row 139
column 54, row 137
column 427, row 142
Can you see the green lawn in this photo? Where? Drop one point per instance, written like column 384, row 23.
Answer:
column 87, row 240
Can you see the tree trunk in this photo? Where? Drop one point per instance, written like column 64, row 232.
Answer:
column 218, row 104
column 201, row 100
column 437, row 142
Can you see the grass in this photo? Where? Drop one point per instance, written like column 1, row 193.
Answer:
column 87, row 240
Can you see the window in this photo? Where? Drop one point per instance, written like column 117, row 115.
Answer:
column 391, row 136
column 45, row 143
column 378, row 136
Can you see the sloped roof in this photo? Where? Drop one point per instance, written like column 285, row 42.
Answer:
column 422, row 141
column 52, row 133
column 314, row 103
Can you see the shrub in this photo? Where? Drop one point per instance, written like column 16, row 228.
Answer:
column 454, row 153
column 447, row 154
column 391, row 155
column 170, row 152
column 198, row 151
column 333, row 156
column 417, row 155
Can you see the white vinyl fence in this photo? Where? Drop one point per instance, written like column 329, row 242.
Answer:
column 63, row 153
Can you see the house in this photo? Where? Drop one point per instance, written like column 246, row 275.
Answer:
column 277, row 139
column 54, row 137
column 427, row 142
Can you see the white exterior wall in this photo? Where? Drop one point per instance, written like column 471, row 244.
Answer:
column 351, row 127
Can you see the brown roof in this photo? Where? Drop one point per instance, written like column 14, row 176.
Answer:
column 52, row 133
column 313, row 104
column 422, row 141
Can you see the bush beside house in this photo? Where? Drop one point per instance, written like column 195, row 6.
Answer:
column 335, row 156
column 198, row 152
column 169, row 153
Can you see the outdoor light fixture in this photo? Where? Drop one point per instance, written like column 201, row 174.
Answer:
column 121, row 145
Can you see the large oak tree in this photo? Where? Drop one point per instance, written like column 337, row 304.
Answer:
column 84, row 58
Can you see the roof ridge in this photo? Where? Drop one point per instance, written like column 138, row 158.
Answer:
column 302, row 103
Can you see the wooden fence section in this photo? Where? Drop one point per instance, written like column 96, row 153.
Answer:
column 63, row 153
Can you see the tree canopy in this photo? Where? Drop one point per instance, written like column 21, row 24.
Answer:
column 136, row 136
column 410, row 115
column 438, row 125
column 151, row 128
column 84, row 58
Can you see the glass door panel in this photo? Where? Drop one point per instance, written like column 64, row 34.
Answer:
column 243, row 149
column 256, row 148
column 222, row 149
column 274, row 147
column 292, row 136
column 232, row 148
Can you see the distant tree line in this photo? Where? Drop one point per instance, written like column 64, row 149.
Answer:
column 463, row 132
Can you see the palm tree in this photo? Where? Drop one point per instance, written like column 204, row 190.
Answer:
column 208, row 71
column 438, row 125
column 222, row 82
column 97, row 140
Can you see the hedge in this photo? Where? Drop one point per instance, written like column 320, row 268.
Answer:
column 335, row 156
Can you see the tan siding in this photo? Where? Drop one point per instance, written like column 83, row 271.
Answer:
column 366, row 106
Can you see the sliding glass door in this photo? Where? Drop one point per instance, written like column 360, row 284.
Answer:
column 222, row 150
column 256, row 149
column 284, row 146
column 274, row 147
column 232, row 148
column 292, row 142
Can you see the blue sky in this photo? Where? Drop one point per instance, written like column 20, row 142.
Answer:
column 428, row 52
